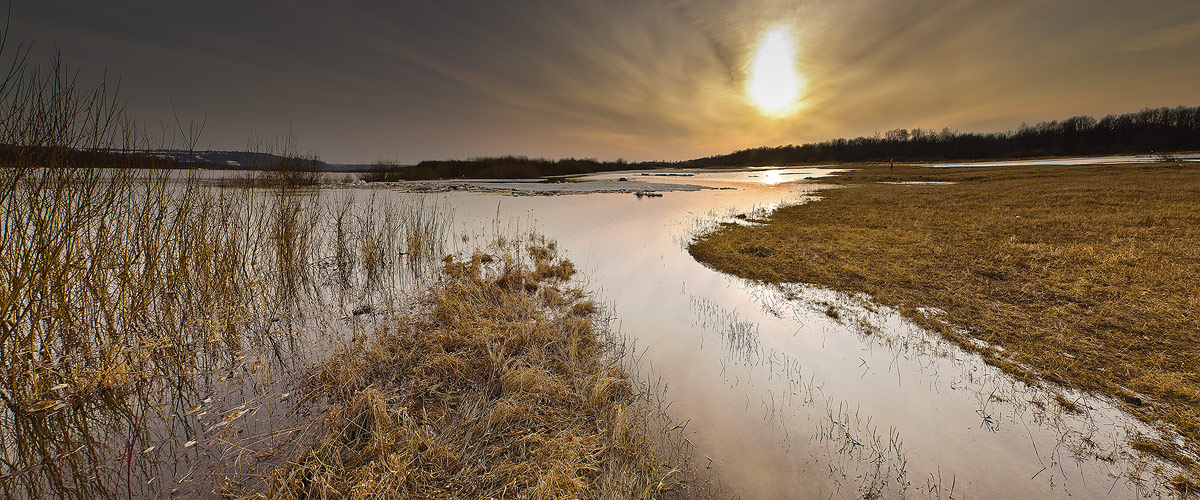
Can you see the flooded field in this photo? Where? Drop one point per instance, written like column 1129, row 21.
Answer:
column 546, row 251
column 155, row 329
column 793, row 392
column 780, row 391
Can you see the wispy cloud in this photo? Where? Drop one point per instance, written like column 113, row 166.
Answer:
column 1169, row 37
column 641, row 79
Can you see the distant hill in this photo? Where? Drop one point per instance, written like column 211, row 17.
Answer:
column 236, row 160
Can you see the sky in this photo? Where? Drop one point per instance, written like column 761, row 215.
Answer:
column 405, row 81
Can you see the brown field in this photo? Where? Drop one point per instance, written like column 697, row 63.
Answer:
column 1086, row 276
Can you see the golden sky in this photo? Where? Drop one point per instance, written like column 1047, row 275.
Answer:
column 638, row 79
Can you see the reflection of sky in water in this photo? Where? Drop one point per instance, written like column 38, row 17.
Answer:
column 786, row 400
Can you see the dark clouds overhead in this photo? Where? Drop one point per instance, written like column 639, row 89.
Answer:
column 640, row 79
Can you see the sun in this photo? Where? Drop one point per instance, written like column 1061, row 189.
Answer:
column 774, row 83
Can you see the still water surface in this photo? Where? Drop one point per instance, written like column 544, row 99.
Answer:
column 796, row 392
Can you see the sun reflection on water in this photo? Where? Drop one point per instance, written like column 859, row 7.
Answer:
column 772, row 177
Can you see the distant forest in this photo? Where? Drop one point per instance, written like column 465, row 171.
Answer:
column 61, row 156
column 504, row 167
column 1146, row 131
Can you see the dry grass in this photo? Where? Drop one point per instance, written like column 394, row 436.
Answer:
column 501, row 386
column 123, row 294
column 121, row 291
column 120, row 295
column 1086, row 276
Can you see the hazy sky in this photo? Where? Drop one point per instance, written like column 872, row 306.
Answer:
column 638, row 79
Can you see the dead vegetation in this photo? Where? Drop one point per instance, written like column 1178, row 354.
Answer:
column 128, row 295
column 499, row 386
column 121, row 297
column 129, row 299
column 1085, row 276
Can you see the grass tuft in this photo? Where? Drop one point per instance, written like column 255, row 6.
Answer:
column 493, row 389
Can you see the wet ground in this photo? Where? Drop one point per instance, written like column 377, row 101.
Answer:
column 783, row 392
column 797, row 392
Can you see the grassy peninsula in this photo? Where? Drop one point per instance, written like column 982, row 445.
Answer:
column 1083, row 276
column 499, row 385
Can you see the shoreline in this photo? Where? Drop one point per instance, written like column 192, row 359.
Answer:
column 1017, row 258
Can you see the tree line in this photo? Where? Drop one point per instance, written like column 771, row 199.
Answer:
column 1144, row 132
column 1147, row 131
column 502, row 167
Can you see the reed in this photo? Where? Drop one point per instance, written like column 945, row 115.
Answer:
column 119, row 291
column 122, row 291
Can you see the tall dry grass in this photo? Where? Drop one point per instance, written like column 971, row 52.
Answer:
column 118, row 291
column 123, row 291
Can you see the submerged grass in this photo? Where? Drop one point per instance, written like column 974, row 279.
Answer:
column 121, row 295
column 1084, row 276
column 500, row 385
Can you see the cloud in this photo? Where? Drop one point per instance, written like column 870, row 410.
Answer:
column 1165, row 38
column 640, row 79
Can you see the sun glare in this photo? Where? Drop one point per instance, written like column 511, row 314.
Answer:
column 772, row 177
column 774, row 83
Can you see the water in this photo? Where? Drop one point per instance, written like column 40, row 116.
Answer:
column 796, row 392
column 786, row 392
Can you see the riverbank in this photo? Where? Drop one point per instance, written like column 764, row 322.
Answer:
column 1082, row 276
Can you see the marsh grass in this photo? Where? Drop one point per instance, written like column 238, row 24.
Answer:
column 279, row 163
column 119, row 292
column 153, row 325
column 128, row 296
column 499, row 384
column 1085, row 276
